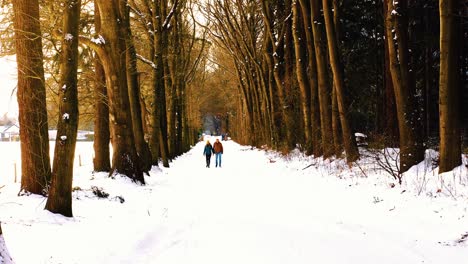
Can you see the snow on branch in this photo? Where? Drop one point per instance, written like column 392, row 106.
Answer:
column 98, row 40
column 170, row 15
column 147, row 61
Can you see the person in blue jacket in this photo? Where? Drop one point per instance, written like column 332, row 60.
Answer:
column 208, row 152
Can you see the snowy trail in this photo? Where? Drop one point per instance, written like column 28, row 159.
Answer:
column 248, row 211
column 254, row 211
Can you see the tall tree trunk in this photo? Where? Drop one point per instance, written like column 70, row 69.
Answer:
column 449, row 86
column 323, row 85
column 270, row 82
column 172, row 117
column 336, row 127
column 101, row 159
column 391, row 122
column 464, row 81
column 160, row 117
column 35, row 159
column 302, row 78
column 60, row 193
column 281, row 65
column 313, row 78
column 289, row 87
column 411, row 150
column 124, row 159
column 134, row 90
column 174, row 70
column 430, row 95
column 154, row 118
column 186, row 135
column 352, row 153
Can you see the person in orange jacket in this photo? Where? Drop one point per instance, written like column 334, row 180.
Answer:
column 218, row 151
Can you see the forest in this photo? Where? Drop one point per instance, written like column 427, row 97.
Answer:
column 333, row 79
column 276, row 74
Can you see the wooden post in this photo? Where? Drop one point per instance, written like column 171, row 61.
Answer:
column 14, row 166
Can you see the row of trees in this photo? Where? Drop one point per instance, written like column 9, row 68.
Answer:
column 140, row 57
column 280, row 73
column 314, row 71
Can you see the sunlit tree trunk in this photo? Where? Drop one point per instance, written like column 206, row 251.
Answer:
column 336, row 127
column 449, row 86
column 276, row 118
column 60, row 192
column 111, row 47
column 174, row 72
column 290, row 88
column 154, row 119
column 301, row 72
column 323, row 82
column 312, row 75
column 278, row 27
column 35, row 159
column 349, row 140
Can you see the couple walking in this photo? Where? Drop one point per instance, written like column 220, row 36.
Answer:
column 216, row 149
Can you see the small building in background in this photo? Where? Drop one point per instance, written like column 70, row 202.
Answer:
column 9, row 132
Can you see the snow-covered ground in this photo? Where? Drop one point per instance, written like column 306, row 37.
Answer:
column 258, row 208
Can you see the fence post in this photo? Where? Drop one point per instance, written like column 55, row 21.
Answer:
column 14, row 165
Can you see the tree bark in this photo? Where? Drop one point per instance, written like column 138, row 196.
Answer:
column 275, row 115
column 134, row 90
column 411, row 150
column 111, row 47
column 312, row 75
column 160, row 116
column 336, row 127
column 174, row 71
column 290, row 88
column 390, row 128
column 101, row 159
column 449, row 86
column 352, row 153
column 60, row 193
column 278, row 27
column 302, row 78
column 35, row 159
column 154, row 117
column 323, row 85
